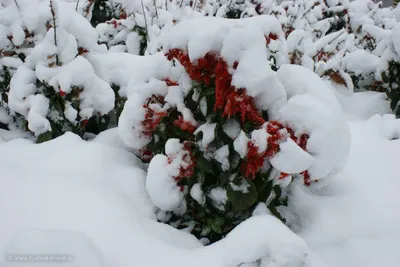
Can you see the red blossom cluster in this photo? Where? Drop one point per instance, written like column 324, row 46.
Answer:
column 184, row 125
column 229, row 99
column 114, row 22
column 146, row 154
column 152, row 117
column 82, row 51
column 170, row 82
column 188, row 163
column 84, row 123
column 270, row 37
column 322, row 56
column 254, row 160
column 201, row 71
column 277, row 134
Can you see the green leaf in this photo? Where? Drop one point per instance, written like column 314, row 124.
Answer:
column 265, row 192
column 215, row 224
column 44, row 137
column 276, row 202
column 248, row 127
column 204, row 165
column 242, row 200
column 207, row 92
column 224, row 178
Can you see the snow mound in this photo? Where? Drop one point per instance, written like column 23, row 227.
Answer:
column 313, row 108
column 106, row 207
column 70, row 248
column 354, row 220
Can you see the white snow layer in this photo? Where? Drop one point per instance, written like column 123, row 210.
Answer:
column 312, row 108
column 102, row 215
column 105, row 212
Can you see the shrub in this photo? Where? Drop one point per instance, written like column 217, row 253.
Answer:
column 55, row 89
column 209, row 130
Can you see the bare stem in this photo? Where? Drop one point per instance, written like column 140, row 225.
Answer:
column 145, row 21
column 16, row 3
column 77, row 3
column 53, row 15
column 155, row 7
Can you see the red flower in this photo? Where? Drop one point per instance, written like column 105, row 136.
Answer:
column 270, row 37
column 184, row 125
column 146, row 154
column 114, row 23
column 152, row 119
column 283, row 175
column 187, row 169
column 278, row 133
column 171, row 83
column 306, row 178
column 84, row 123
column 253, row 161
column 122, row 14
column 82, row 51
column 62, row 93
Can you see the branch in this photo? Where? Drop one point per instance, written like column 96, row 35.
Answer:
column 53, row 15
column 16, row 3
column 155, row 6
column 145, row 21
column 194, row 5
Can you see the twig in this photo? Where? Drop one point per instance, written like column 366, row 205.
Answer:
column 145, row 21
column 77, row 3
column 53, row 14
column 16, row 3
column 155, row 6
column 322, row 49
column 194, row 5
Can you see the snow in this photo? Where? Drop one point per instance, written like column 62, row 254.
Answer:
column 208, row 130
column 197, row 194
column 95, row 202
column 121, row 68
column 291, row 158
column 72, row 248
column 329, row 140
column 222, row 156
column 360, row 62
column 212, row 33
column 103, row 212
column 162, row 188
column 396, row 38
column 243, row 187
column 231, row 128
column 356, row 214
column 219, row 197
column 106, row 213
column 240, row 144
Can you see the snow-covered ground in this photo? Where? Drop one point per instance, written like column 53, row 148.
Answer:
column 88, row 200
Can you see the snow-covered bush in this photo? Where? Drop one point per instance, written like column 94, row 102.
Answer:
column 224, row 133
column 390, row 67
column 56, row 90
column 348, row 44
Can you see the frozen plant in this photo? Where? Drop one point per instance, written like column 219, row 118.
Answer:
column 56, row 89
column 228, row 131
